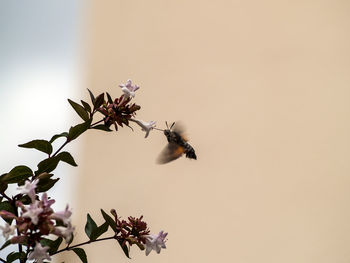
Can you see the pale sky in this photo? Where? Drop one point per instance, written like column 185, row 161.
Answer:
column 40, row 67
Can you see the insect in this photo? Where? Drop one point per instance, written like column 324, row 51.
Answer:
column 177, row 145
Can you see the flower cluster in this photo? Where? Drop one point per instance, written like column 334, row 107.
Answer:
column 30, row 222
column 135, row 231
column 36, row 220
column 120, row 111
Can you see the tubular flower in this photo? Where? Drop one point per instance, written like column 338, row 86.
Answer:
column 46, row 203
column 8, row 230
column 29, row 189
column 66, row 232
column 39, row 253
column 128, row 89
column 64, row 216
column 33, row 212
column 145, row 126
column 155, row 242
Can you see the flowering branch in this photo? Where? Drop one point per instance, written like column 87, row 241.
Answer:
column 82, row 244
column 59, row 149
column 28, row 216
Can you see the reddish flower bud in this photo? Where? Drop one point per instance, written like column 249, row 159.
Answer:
column 7, row 215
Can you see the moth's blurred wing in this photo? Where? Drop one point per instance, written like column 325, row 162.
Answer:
column 179, row 129
column 170, row 153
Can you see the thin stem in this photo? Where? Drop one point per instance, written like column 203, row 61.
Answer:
column 28, row 250
column 96, row 123
column 82, row 244
column 67, row 141
column 3, row 260
column 18, row 233
column 19, row 247
column 27, row 253
column 6, row 196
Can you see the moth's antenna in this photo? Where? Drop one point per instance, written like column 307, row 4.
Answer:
column 166, row 124
column 172, row 125
column 157, row 129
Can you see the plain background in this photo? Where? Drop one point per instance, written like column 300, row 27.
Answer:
column 263, row 89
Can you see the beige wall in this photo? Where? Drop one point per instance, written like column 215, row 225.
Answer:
column 263, row 88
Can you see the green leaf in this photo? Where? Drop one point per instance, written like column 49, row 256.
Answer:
column 63, row 134
column 50, row 164
column 40, row 145
column 44, row 176
column 55, row 245
column 5, row 205
column 99, row 231
column 124, row 248
column 80, row 110
column 81, row 254
column 92, row 97
column 102, row 127
column 7, row 243
column 52, row 244
column 67, row 158
column 90, row 226
column 3, row 186
column 45, row 184
column 109, row 220
column 86, row 106
column 17, row 174
column 71, row 240
column 25, row 199
column 109, row 98
column 77, row 130
column 99, row 100
column 14, row 256
column 47, row 165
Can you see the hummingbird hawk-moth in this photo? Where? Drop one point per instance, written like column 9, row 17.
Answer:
column 177, row 145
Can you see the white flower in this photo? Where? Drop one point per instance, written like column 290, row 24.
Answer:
column 128, row 89
column 33, row 211
column 128, row 93
column 29, row 188
column 63, row 215
column 155, row 242
column 66, row 232
column 39, row 253
column 146, row 126
column 47, row 202
column 7, row 230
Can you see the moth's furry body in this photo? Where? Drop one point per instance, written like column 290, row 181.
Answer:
column 177, row 145
column 174, row 137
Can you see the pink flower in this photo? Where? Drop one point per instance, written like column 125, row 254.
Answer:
column 7, row 230
column 29, row 188
column 128, row 89
column 66, row 232
column 64, row 216
column 155, row 242
column 39, row 253
column 46, row 202
column 33, row 212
